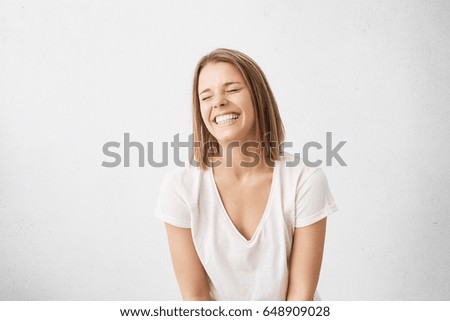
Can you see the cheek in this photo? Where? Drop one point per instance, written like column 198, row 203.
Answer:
column 205, row 115
column 249, row 110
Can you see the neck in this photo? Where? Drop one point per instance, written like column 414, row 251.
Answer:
column 242, row 159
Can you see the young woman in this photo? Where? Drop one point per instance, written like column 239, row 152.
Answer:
column 245, row 224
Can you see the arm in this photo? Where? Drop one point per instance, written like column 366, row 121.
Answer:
column 306, row 260
column 191, row 276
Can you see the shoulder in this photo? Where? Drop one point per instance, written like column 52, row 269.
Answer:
column 182, row 178
column 293, row 169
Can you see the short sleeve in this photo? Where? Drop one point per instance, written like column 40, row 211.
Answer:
column 314, row 200
column 172, row 206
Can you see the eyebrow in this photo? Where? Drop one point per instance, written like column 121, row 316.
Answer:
column 225, row 84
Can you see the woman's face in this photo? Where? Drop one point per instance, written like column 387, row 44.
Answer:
column 225, row 103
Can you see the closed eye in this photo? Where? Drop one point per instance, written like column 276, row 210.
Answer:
column 232, row 90
column 206, row 98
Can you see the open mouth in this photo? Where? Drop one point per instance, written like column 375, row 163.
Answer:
column 227, row 118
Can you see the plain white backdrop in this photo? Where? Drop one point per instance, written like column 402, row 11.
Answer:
column 77, row 74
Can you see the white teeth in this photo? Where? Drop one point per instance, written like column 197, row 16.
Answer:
column 226, row 118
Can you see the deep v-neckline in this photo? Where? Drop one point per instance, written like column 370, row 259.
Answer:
column 264, row 215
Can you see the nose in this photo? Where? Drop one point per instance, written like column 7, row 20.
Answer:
column 220, row 101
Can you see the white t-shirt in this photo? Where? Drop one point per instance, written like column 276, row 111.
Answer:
column 241, row 269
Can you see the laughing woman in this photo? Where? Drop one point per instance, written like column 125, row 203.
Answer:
column 243, row 223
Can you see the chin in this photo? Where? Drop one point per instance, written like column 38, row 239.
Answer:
column 224, row 139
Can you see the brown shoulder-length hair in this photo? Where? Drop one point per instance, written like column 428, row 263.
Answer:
column 269, row 127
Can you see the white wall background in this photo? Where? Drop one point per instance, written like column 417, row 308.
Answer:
column 77, row 74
